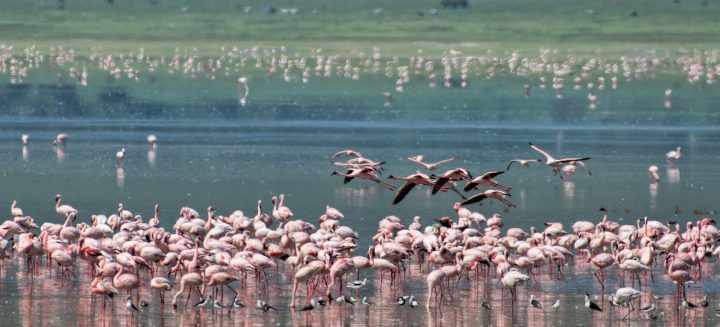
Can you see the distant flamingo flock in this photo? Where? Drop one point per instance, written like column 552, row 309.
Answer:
column 213, row 252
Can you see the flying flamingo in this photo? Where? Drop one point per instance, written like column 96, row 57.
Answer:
column 487, row 179
column 522, row 162
column 418, row 159
column 348, row 153
column 493, row 194
column 363, row 173
column 450, row 175
column 556, row 163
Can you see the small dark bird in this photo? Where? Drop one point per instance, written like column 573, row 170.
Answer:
column 687, row 304
column 219, row 305
column 144, row 303
column 535, row 303
column 590, row 304
column 401, row 300
column 704, row 302
column 204, row 302
column 238, row 304
column 413, row 302
column 633, row 13
column 129, row 305
column 262, row 305
column 365, row 301
column 321, row 301
column 445, row 221
column 649, row 310
column 310, row 306
column 486, row 305
column 556, row 304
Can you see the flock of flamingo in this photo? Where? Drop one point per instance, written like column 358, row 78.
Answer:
column 208, row 255
column 550, row 69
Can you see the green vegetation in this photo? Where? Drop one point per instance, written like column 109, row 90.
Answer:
column 399, row 27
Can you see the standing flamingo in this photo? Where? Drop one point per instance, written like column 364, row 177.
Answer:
column 161, row 284
column 434, row 281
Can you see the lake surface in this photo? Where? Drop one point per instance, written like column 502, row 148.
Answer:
column 214, row 150
column 232, row 164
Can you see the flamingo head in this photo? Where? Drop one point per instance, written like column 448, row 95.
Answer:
column 457, row 206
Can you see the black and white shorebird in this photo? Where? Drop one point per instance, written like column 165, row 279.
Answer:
column 312, row 305
column 144, row 303
column 413, row 302
column 238, row 304
column 687, row 304
column 401, row 300
column 130, row 305
column 649, row 310
column 347, row 299
column 556, row 304
column 365, row 301
column 590, row 304
column 219, row 305
column 321, row 301
column 535, row 303
column 262, row 305
column 704, row 303
column 357, row 284
column 204, row 302
column 486, row 305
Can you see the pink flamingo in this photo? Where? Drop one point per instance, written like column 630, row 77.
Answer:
column 338, row 270
column 161, row 284
column 126, row 281
column 64, row 209
column 672, row 156
column 303, row 274
column 434, row 281
column 189, row 280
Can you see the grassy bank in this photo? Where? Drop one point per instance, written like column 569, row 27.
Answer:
column 346, row 26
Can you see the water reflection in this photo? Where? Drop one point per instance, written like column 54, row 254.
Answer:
column 59, row 152
column 120, row 176
column 151, row 156
column 568, row 189
column 25, row 152
column 673, row 174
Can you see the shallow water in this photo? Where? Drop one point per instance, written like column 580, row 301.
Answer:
column 230, row 165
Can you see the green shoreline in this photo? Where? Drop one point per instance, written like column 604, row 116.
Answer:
column 347, row 27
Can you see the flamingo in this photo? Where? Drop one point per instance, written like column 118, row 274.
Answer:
column 434, row 280
column 348, row 153
column 15, row 211
column 492, row 194
column 161, row 284
column 152, row 141
column 64, row 209
column 363, row 173
column 450, row 175
column 418, row 159
column 126, row 281
column 189, row 280
column 556, row 163
column 119, row 156
column 672, row 156
column 60, row 139
column 487, row 179
column 522, row 162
